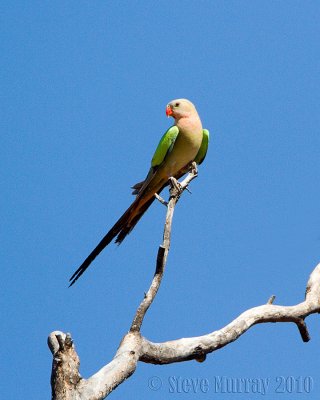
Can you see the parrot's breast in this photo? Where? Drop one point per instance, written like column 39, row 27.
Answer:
column 184, row 151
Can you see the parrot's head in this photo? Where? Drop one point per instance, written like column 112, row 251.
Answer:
column 179, row 108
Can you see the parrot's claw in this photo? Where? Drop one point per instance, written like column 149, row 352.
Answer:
column 194, row 168
column 175, row 184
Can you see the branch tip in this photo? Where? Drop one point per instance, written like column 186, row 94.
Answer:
column 305, row 336
column 271, row 299
column 160, row 199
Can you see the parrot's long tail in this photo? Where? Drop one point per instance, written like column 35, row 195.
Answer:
column 120, row 230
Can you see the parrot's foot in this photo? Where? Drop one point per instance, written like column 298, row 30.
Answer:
column 159, row 198
column 194, row 168
column 175, row 185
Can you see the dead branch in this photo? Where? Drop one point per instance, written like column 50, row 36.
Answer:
column 66, row 381
column 175, row 193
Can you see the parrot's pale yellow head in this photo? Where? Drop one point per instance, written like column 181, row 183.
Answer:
column 180, row 108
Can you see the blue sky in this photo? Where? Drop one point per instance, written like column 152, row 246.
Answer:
column 84, row 89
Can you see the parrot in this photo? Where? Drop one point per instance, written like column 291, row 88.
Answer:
column 182, row 144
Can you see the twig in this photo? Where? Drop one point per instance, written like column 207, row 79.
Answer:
column 271, row 299
column 159, row 198
column 305, row 336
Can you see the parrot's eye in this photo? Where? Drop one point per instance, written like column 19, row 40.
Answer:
column 177, row 105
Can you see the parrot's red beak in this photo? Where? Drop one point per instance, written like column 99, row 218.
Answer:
column 168, row 111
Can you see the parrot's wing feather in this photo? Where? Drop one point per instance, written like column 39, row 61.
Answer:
column 164, row 147
column 203, row 148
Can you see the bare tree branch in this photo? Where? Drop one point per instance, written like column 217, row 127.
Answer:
column 134, row 347
column 190, row 348
column 175, row 193
column 66, row 381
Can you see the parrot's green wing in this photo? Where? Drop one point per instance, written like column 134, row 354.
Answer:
column 203, row 148
column 164, row 147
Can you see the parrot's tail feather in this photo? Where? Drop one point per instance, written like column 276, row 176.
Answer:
column 113, row 232
column 137, row 187
column 125, row 230
column 120, row 229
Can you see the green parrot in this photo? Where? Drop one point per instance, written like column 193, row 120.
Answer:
column 184, row 142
